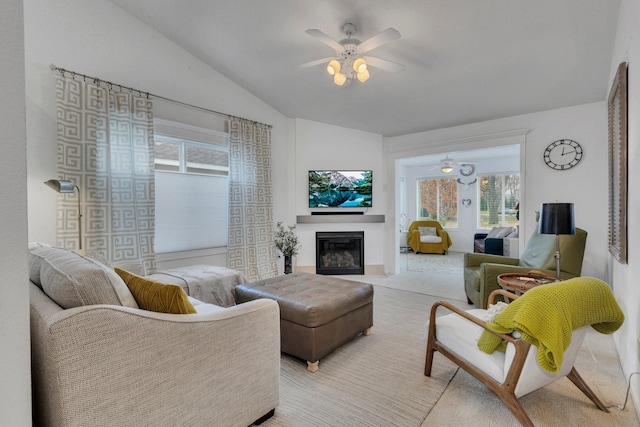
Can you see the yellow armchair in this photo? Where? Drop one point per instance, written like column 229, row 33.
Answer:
column 438, row 244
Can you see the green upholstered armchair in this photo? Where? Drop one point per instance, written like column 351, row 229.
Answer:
column 438, row 244
column 481, row 271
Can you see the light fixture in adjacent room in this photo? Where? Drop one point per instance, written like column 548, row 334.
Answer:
column 66, row 186
column 557, row 218
column 446, row 169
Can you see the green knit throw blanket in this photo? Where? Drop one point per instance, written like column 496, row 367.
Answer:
column 546, row 316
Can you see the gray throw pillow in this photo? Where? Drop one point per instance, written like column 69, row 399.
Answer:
column 73, row 280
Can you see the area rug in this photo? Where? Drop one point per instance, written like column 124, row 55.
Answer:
column 436, row 275
column 376, row 380
column 451, row 263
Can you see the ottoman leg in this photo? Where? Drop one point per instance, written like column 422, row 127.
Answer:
column 367, row 332
column 312, row 366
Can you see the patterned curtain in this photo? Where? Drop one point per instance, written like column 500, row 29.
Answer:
column 105, row 146
column 251, row 249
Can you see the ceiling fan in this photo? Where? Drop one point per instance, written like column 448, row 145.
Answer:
column 349, row 61
column 447, row 165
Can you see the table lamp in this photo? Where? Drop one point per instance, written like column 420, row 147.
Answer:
column 556, row 218
column 65, row 186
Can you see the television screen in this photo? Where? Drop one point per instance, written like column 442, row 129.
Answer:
column 340, row 189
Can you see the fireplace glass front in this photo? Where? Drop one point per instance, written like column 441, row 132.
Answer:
column 340, row 252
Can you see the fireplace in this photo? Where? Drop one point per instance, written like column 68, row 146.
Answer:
column 340, row 252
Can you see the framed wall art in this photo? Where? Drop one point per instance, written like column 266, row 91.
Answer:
column 617, row 111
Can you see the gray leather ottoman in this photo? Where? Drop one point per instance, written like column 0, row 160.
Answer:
column 317, row 313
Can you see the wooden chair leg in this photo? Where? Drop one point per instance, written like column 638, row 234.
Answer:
column 582, row 385
column 511, row 402
column 429, row 359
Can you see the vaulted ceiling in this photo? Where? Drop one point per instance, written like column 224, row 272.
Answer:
column 465, row 61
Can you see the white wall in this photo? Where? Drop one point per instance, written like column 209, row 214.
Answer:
column 15, row 391
column 624, row 278
column 321, row 146
column 99, row 39
column 584, row 185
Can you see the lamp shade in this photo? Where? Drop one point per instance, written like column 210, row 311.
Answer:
column 363, row 76
column 339, row 79
column 556, row 218
column 333, row 67
column 359, row 65
column 446, row 169
column 61, row 185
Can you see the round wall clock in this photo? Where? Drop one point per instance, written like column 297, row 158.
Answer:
column 563, row 154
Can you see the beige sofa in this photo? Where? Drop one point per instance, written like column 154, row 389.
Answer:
column 105, row 362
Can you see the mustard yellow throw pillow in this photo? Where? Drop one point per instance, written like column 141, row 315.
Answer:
column 156, row 296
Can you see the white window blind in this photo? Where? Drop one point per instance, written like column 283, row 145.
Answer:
column 191, row 211
column 192, row 188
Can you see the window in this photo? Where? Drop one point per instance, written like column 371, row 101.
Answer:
column 438, row 200
column 192, row 188
column 499, row 196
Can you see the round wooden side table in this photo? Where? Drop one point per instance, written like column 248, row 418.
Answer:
column 520, row 283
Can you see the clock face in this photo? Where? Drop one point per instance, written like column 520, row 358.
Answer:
column 563, row 154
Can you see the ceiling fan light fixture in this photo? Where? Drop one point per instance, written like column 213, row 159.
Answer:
column 359, row 65
column 333, row 67
column 363, row 76
column 446, row 169
column 339, row 79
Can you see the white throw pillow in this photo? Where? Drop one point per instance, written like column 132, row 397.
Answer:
column 427, row 231
column 490, row 314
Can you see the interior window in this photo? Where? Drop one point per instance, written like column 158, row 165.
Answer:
column 192, row 190
column 499, row 196
column 438, row 200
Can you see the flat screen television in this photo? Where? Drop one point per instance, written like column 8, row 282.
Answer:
column 340, row 189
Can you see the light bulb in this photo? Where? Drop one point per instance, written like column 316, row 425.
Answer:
column 446, row 169
column 339, row 79
column 333, row 67
column 359, row 65
column 363, row 76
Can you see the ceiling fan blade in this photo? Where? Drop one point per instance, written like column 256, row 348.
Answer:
column 394, row 67
column 325, row 39
column 317, row 62
column 379, row 39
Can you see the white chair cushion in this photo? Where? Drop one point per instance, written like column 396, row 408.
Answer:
column 460, row 336
column 430, row 239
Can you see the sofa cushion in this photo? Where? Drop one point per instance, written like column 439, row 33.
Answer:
column 430, row 239
column 156, row 296
column 203, row 307
column 73, row 280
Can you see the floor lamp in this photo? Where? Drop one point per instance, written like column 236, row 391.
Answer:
column 65, row 186
column 557, row 218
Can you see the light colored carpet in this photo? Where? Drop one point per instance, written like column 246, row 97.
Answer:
column 448, row 264
column 371, row 381
column 379, row 381
column 440, row 276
